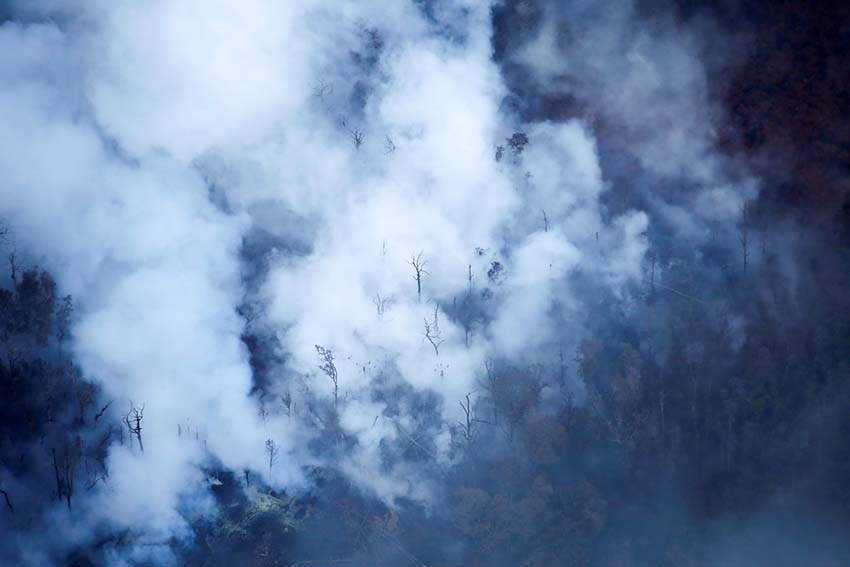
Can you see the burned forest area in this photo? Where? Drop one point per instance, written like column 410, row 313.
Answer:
column 426, row 283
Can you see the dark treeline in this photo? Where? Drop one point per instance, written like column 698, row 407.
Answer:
column 714, row 432
column 53, row 433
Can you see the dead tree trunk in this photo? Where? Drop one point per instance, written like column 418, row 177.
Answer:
column 8, row 501
column 272, row 451
column 466, row 425
column 327, row 366
column 432, row 332
column 133, row 420
column 64, row 470
column 419, row 271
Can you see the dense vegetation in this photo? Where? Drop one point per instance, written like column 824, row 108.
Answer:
column 53, row 439
column 733, row 409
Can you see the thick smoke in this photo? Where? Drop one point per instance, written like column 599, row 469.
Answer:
column 353, row 187
column 367, row 144
column 154, row 269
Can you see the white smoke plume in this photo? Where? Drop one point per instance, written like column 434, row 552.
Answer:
column 143, row 144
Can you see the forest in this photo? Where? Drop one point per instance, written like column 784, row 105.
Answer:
column 427, row 283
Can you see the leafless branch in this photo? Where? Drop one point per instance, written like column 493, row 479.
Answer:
column 321, row 90
column 133, row 420
column 467, row 425
column 8, row 501
column 102, row 411
column 389, row 145
column 326, row 357
column 432, row 332
column 383, row 304
column 419, row 263
column 272, row 452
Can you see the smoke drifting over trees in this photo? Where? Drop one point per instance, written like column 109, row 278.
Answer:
column 424, row 282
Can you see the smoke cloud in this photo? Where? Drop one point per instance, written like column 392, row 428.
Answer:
column 344, row 178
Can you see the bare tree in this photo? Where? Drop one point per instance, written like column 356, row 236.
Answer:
column 272, row 452
column 133, row 420
column 13, row 267
column 545, row 221
column 64, row 468
column 383, row 304
column 321, row 90
column 326, row 357
column 467, row 427
column 432, row 332
column 97, row 476
column 419, row 263
column 389, row 145
column 357, row 137
column 286, row 400
column 8, row 501
column 60, row 487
